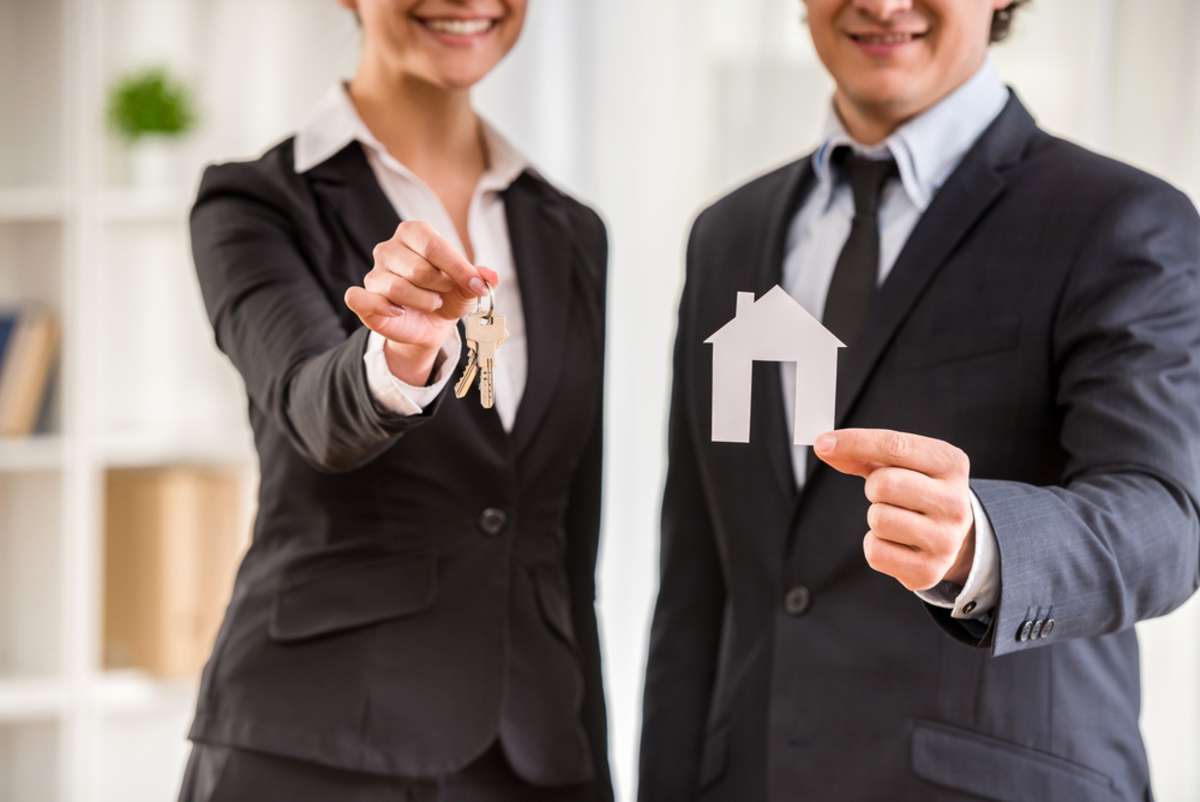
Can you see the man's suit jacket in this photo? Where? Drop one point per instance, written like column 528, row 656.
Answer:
column 416, row 586
column 1045, row 317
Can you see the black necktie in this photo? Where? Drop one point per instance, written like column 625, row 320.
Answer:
column 857, row 269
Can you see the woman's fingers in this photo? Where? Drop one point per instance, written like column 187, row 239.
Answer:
column 417, row 262
column 380, row 315
column 370, row 307
column 413, row 267
column 489, row 275
column 421, row 239
column 401, row 291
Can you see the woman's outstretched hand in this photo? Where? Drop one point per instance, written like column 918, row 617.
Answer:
column 418, row 289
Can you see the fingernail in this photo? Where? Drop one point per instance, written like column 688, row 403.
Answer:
column 437, row 303
column 477, row 286
column 825, row 443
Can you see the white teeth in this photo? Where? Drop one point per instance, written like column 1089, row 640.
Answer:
column 887, row 38
column 459, row 27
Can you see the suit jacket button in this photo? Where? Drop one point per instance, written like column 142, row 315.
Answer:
column 1037, row 629
column 492, row 521
column 797, row 600
column 1048, row 628
column 1024, row 632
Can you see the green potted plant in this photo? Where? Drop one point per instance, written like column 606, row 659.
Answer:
column 151, row 112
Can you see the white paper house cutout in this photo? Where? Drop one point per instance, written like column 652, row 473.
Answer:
column 775, row 328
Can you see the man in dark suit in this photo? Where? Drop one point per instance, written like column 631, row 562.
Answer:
column 1019, row 421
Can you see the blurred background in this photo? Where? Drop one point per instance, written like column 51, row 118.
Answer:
column 126, row 473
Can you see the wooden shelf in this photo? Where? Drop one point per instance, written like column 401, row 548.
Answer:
column 37, row 453
column 23, row 699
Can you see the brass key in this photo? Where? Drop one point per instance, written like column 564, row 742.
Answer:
column 463, row 385
column 487, row 332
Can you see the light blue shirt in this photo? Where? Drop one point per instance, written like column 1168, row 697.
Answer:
column 926, row 149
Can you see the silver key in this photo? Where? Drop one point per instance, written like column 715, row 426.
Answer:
column 487, row 332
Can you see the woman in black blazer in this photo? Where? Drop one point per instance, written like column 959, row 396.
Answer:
column 415, row 616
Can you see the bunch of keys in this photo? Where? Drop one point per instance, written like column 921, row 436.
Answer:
column 485, row 332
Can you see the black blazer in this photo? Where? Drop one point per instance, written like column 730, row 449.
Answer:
column 417, row 587
column 1044, row 315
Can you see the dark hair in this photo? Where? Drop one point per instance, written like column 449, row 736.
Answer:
column 1002, row 20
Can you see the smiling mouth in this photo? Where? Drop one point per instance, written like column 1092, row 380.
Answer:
column 459, row 27
column 891, row 38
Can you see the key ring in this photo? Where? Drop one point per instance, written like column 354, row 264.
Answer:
column 491, row 310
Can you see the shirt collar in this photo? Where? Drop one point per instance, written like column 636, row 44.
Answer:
column 335, row 123
column 928, row 147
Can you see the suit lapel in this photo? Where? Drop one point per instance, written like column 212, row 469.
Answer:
column 541, row 237
column 347, row 188
column 971, row 189
column 953, row 212
column 767, row 407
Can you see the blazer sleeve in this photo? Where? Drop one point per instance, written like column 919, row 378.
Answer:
column 279, row 326
column 583, row 517
column 1118, row 540
column 686, row 627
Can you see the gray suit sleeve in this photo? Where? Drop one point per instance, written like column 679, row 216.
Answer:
column 281, row 329
column 1117, row 540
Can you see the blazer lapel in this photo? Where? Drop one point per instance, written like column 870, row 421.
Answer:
column 767, row 407
column 541, row 237
column 971, row 189
column 347, row 187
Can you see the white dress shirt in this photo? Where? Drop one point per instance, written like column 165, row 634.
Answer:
column 334, row 124
column 926, row 149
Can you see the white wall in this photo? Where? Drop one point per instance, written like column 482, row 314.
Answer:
column 649, row 110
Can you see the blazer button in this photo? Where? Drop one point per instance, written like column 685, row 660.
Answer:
column 1025, row 631
column 1048, row 628
column 797, row 601
column 492, row 521
column 1037, row 629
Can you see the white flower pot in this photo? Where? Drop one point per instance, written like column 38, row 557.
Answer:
column 155, row 161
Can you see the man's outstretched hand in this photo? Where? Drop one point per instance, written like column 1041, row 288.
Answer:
column 921, row 530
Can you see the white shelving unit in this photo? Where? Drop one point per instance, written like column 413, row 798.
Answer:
column 139, row 383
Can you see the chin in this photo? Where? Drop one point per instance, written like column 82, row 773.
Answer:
column 886, row 92
column 459, row 76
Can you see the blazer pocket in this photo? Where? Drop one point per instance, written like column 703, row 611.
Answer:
column 943, row 348
column 1001, row 770
column 353, row 595
column 554, row 601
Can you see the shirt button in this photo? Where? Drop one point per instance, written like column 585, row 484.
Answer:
column 969, row 607
column 492, row 521
column 797, row 600
column 1048, row 628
